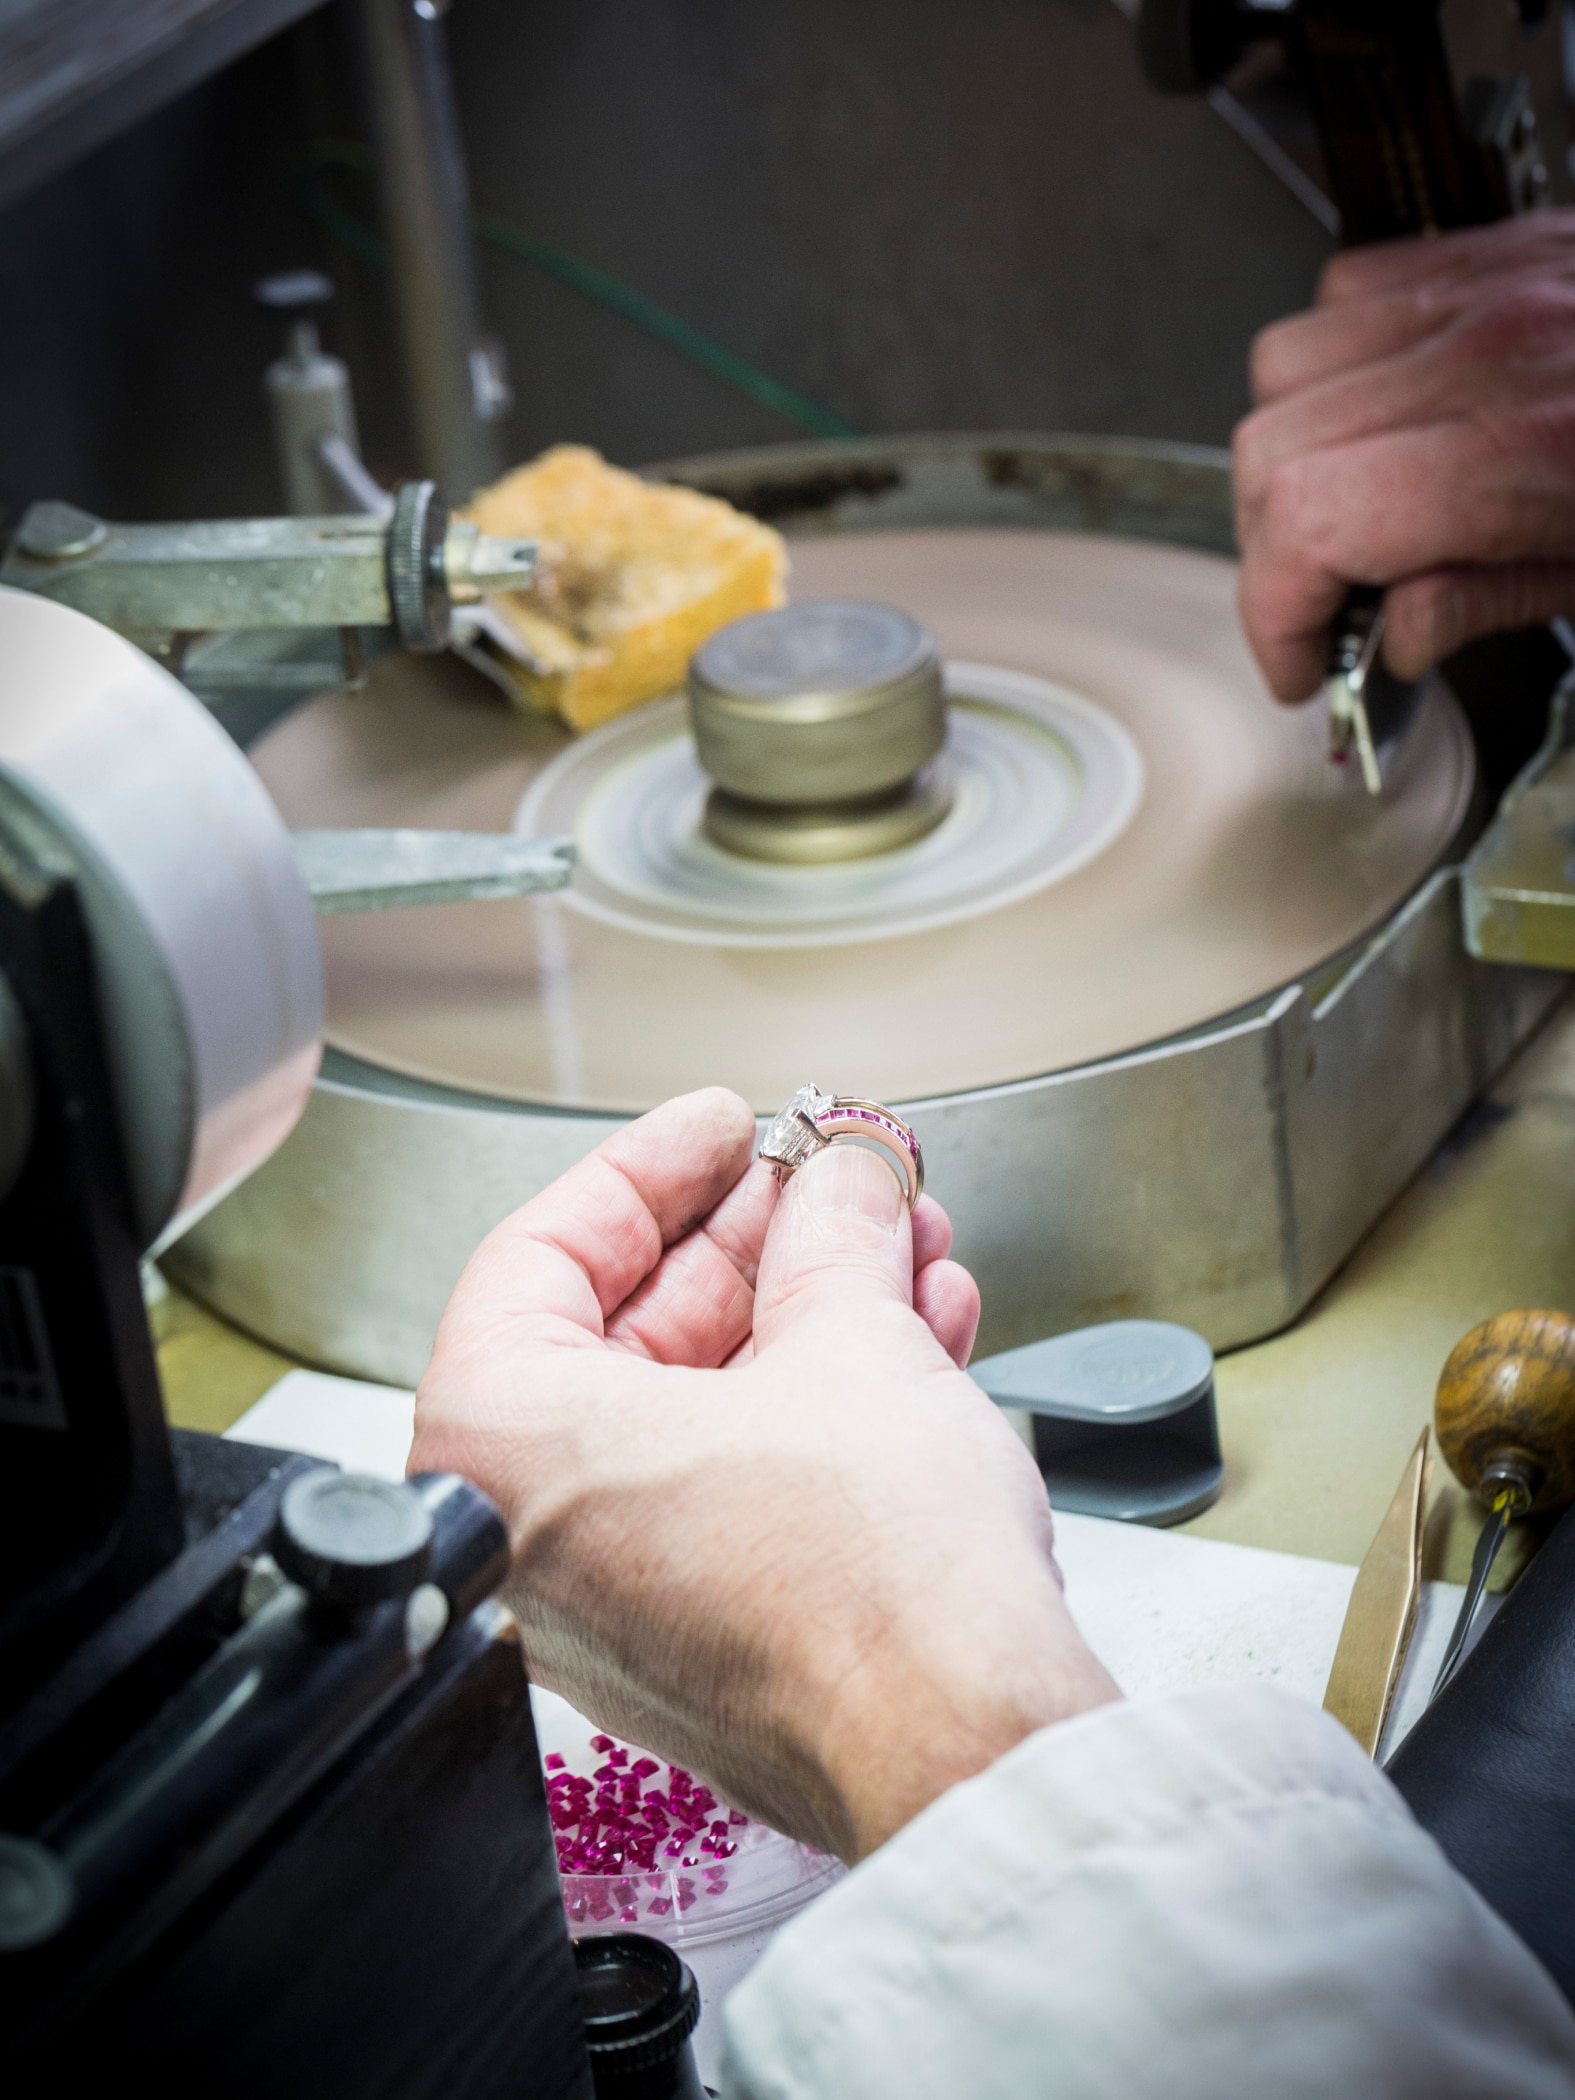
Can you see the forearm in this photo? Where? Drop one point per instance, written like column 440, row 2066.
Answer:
column 1197, row 1896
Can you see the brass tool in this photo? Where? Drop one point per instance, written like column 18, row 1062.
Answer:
column 1505, row 1417
column 1381, row 1615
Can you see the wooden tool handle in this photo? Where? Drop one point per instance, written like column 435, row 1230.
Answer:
column 1506, row 1400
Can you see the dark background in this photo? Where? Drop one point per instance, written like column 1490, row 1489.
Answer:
column 923, row 214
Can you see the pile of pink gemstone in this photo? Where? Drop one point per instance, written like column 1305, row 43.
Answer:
column 619, row 1829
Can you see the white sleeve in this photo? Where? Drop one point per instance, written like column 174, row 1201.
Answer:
column 1196, row 1896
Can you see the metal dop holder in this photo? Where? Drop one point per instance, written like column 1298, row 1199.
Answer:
column 1123, row 1418
column 819, row 724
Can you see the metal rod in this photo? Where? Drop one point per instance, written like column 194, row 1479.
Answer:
column 379, row 870
column 426, row 219
column 342, row 465
column 1489, row 1539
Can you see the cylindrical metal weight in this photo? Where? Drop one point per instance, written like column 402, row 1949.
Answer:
column 817, row 722
column 818, row 703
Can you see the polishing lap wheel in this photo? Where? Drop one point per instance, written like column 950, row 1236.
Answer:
column 1138, row 841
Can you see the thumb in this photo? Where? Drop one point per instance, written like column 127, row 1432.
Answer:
column 840, row 1237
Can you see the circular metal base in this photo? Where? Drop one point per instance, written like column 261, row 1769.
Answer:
column 813, row 834
column 1035, row 783
column 1140, row 840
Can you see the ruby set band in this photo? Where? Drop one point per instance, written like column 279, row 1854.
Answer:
column 812, row 1120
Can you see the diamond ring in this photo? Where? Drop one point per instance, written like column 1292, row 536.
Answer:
column 812, row 1120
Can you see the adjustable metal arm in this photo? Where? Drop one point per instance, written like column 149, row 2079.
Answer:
column 377, row 870
column 406, row 571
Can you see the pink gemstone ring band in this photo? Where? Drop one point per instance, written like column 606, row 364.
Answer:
column 812, row 1120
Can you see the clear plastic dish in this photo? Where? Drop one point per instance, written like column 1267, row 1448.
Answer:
column 711, row 1882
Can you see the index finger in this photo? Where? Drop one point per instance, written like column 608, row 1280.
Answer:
column 1304, row 349
column 1389, row 266
column 580, row 1248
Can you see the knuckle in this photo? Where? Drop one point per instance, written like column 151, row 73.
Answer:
column 1291, row 513
column 1518, row 481
column 1518, row 324
column 1247, row 448
column 1338, row 278
column 1268, row 356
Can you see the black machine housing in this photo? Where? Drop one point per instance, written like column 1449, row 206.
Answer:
column 1402, row 153
column 255, row 1836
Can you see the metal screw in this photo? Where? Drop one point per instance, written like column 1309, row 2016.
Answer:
column 426, row 1619
column 264, row 1580
column 54, row 531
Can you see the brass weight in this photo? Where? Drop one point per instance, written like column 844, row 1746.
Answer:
column 819, row 724
column 1505, row 1410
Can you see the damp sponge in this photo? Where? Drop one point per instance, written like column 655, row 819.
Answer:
column 634, row 577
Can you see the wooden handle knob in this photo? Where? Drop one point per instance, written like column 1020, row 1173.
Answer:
column 1509, row 1387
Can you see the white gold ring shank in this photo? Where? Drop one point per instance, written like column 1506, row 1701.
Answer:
column 812, row 1120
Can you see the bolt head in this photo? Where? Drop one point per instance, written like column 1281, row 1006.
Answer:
column 36, row 1894
column 352, row 1541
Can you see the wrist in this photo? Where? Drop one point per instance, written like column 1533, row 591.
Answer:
column 915, row 1721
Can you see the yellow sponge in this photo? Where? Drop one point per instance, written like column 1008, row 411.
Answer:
column 634, row 577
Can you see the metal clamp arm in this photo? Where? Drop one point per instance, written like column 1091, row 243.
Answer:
column 377, row 870
column 406, row 571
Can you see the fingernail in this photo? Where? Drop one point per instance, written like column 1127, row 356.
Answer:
column 847, row 1181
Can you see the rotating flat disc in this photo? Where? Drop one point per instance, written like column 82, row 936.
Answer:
column 1193, row 850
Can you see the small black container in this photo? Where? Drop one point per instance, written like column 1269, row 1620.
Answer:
column 641, row 2006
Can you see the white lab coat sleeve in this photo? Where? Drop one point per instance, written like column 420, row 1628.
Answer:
column 1195, row 1896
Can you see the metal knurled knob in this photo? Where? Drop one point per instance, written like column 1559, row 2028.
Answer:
column 418, row 596
column 352, row 1541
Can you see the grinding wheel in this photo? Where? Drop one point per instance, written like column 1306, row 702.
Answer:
column 1226, row 855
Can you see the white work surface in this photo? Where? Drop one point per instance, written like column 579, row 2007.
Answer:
column 1159, row 1608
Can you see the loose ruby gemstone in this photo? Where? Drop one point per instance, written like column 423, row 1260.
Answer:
column 606, row 1825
